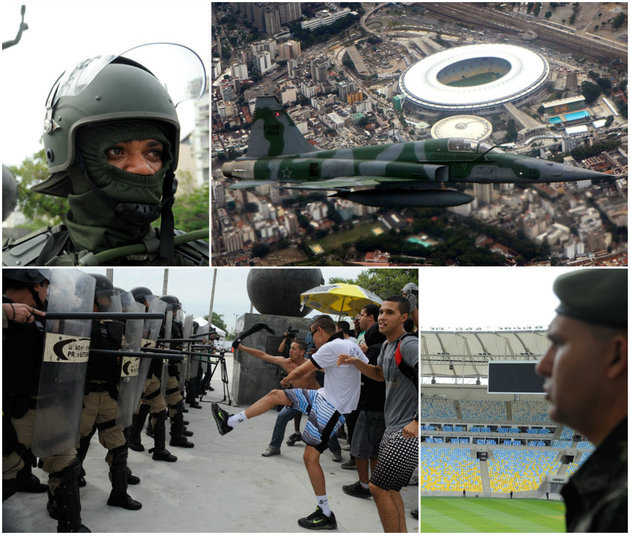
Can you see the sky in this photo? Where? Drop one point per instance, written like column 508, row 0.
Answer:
column 62, row 33
column 193, row 287
column 449, row 298
column 488, row 297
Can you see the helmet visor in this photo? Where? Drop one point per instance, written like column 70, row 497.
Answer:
column 180, row 70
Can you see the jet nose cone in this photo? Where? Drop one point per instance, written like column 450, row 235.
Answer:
column 580, row 174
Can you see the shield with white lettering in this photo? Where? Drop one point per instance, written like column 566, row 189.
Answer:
column 130, row 366
column 64, row 363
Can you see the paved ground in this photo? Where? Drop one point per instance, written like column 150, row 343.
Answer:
column 221, row 485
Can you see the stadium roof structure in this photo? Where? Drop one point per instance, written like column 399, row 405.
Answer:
column 465, row 354
column 527, row 72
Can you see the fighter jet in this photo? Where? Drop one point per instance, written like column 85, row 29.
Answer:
column 416, row 173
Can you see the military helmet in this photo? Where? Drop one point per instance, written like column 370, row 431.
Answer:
column 102, row 283
column 27, row 276
column 9, row 192
column 141, row 294
column 122, row 89
column 172, row 301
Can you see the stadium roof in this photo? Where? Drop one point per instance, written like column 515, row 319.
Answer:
column 528, row 72
column 465, row 354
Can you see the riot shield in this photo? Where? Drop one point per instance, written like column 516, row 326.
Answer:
column 64, row 364
column 150, row 334
column 185, row 369
column 168, row 324
column 195, row 363
column 130, row 366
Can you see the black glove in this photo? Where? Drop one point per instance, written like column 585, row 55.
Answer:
column 256, row 327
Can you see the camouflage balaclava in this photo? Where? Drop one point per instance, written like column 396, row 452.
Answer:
column 110, row 207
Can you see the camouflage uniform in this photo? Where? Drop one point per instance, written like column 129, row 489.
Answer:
column 596, row 496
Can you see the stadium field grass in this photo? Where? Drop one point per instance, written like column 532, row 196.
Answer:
column 460, row 514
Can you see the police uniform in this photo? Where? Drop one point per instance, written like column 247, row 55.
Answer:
column 100, row 409
column 22, row 348
column 596, row 495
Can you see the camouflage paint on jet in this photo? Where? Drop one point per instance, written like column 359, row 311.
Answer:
column 396, row 174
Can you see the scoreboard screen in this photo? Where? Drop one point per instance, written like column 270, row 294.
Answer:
column 514, row 377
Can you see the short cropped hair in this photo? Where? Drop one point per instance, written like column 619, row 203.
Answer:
column 301, row 344
column 402, row 304
column 344, row 326
column 372, row 310
column 325, row 322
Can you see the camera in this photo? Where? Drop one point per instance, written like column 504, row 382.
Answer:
column 291, row 332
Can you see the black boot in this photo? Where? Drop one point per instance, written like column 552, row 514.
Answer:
column 66, row 501
column 178, row 439
column 191, row 394
column 8, row 488
column 82, row 451
column 118, row 474
column 133, row 440
column 132, row 480
column 160, row 453
column 27, row 481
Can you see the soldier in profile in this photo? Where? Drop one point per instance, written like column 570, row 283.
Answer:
column 585, row 372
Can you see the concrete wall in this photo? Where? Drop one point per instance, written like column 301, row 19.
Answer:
column 253, row 378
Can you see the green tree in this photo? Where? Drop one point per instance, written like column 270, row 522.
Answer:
column 218, row 321
column 383, row 283
column 41, row 210
column 590, row 91
column 191, row 211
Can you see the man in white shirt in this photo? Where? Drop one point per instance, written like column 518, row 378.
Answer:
column 325, row 407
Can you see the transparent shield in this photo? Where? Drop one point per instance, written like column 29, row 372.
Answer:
column 130, row 382
column 64, row 364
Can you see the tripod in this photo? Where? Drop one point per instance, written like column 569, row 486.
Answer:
column 214, row 361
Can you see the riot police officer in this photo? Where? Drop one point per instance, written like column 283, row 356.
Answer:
column 99, row 405
column 152, row 401
column 173, row 396
column 112, row 147
column 24, row 295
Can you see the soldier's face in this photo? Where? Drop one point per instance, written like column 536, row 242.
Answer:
column 42, row 290
column 574, row 371
column 142, row 157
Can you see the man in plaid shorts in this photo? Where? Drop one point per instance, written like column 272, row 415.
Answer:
column 398, row 451
column 324, row 407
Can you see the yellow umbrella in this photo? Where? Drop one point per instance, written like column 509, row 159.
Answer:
column 339, row 299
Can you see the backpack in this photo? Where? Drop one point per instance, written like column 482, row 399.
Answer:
column 404, row 368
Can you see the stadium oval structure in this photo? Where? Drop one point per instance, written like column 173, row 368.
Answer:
column 522, row 73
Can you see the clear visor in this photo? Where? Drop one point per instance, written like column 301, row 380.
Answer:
column 108, row 301
column 178, row 68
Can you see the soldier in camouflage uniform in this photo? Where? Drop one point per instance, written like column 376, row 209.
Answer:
column 586, row 385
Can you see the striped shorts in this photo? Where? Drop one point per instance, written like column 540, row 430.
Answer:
column 323, row 419
column 398, row 458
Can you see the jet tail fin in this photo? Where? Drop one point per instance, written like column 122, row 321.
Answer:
column 273, row 132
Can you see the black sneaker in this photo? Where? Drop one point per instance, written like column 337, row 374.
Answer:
column 318, row 520
column 293, row 438
column 221, row 418
column 357, row 490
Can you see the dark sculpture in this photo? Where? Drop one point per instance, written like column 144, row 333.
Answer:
column 277, row 291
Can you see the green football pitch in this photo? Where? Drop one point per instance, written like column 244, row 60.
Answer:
column 459, row 514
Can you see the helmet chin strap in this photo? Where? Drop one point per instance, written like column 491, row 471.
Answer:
column 167, row 225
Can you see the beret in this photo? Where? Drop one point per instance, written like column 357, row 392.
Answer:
column 596, row 296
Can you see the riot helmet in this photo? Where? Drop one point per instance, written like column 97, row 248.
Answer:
column 27, row 278
column 142, row 294
column 9, row 192
column 174, row 304
column 410, row 293
column 105, row 295
column 104, row 101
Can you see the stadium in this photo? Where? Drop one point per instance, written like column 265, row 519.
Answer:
column 474, row 78
column 495, row 447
